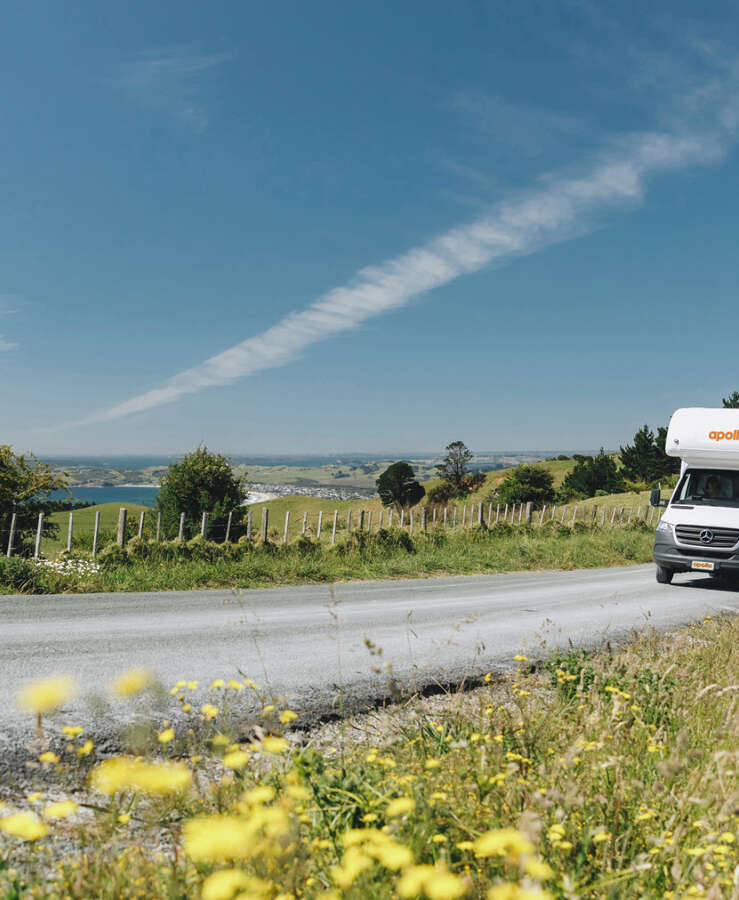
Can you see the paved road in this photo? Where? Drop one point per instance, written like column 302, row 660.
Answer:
column 306, row 642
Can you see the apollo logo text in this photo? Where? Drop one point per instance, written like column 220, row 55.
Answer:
column 723, row 435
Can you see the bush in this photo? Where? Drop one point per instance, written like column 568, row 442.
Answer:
column 112, row 556
column 20, row 575
column 527, row 484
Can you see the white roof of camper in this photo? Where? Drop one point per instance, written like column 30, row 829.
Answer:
column 706, row 437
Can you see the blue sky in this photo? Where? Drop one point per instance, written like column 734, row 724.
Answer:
column 287, row 227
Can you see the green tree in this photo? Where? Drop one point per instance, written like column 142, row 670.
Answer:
column 732, row 401
column 397, row 486
column 201, row 482
column 646, row 460
column 591, row 474
column 527, row 484
column 25, row 485
column 454, row 469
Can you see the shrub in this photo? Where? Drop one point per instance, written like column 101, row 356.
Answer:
column 112, row 556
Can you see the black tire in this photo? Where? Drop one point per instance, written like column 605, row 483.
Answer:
column 664, row 576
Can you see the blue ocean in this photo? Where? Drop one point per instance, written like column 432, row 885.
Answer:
column 135, row 494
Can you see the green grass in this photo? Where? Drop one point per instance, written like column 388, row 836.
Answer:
column 392, row 555
column 84, row 522
column 598, row 776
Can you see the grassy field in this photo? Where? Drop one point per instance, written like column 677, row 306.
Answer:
column 84, row 521
column 172, row 566
column 596, row 775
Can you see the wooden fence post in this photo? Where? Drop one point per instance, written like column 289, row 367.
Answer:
column 11, row 535
column 361, row 520
column 564, row 513
column 265, row 524
column 70, row 532
column 603, row 517
column 159, row 526
column 305, row 522
column 122, row 516
column 424, row 517
column 613, row 515
column 505, row 513
column 621, row 515
column 96, row 533
column 369, row 520
column 379, row 518
column 433, row 516
column 390, row 518
column 454, row 516
column 541, row 517
column 39, row 532
column 204, row 525
column 320, row 522
column 410, row 522
column 446, row 515
column 402, row 517
column 248, row 525
column 228, row 528
column 490, row 515
column 497, row 513
column 180, row 529
column 349, row 522
column 595, row 512
column 141, row 523
column 651, row 513
column 287, row 525
column 554, row 510
column 520, row 512
column 479, row 514
column 333, row 530
column 574, row 515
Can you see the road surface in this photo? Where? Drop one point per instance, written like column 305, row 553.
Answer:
column 307, row 644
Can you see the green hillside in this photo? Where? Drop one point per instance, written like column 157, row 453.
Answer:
column 84, row 523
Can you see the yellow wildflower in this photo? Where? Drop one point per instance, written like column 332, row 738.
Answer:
column 235, row 685
column 215, row 838
column 503, row 842
column 223, row 885
column 209, row 711
column 400, row 806
column 48, row 757
column 45, row 695
column 218, row 683
column 602, row 836
column 519, row 657
column 85, row 749
column 272, row 744
column 60, row 810
column 24, row 826
column 132, row 682
column 538, row 869
column 164, row 737
column 123, row 773
column 236, row 759
column 124, row 818
column 287, row 716
column 353, row 863
column 72, row 731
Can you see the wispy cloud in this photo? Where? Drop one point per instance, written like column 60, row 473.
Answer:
column 525, row 128
column 6, row 345
column 167, row 81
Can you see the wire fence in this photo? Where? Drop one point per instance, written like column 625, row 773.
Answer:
column 81, row 531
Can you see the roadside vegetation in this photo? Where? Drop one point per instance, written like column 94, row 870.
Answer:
column 594, row 775
column 144, row 564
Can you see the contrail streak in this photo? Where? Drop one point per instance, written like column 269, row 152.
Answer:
column 558, row 210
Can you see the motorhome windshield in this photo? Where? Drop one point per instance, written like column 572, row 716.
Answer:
column 708, row 487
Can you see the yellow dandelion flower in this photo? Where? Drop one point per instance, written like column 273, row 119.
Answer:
column 164, row 737
column 601, row 837
column 236, row 759
column 45, row 695
column 413, row 879
column 220, row 740
column 728, row 837
column 24, row 826
column 234, row 685
column 217, row 683
column 215, row 838
column 269, row 708
column 32, row 798
column 519, row 657
column 132, row 682
column 223, row 885
column 353, row 863
column 124, row 818
column 400, row 806
column 432, row 764
column 287, row 716
column 209, row 711
column 444, row 885
column 123, row 773
column 48, row 757
column 503, row 842
column 85, row 749
column 60, row 810
column 538, row 869
column 72, row 731
column 272, row 744
column 192, row 685
column 439, row 839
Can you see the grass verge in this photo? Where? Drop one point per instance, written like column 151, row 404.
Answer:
column 602, row 775
column 147, row 566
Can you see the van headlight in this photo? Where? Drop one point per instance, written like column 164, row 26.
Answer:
column 665, row 527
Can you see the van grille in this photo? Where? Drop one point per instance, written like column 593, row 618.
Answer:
column 721, row 538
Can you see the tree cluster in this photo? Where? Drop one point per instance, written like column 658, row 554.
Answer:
column 25, row 486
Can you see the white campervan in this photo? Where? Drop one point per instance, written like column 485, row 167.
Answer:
column 699, row 530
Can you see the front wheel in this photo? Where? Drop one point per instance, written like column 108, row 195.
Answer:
column 664, row 576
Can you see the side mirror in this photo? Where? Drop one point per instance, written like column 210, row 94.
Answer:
column 655, row 498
